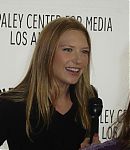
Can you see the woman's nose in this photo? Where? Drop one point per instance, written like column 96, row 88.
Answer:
column 77, row 58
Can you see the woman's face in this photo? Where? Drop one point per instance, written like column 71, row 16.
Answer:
column 71, row 57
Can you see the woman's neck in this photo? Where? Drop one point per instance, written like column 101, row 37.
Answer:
column 63, row 102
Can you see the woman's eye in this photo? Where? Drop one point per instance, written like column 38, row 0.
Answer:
column 85, row 51
column 67, row 49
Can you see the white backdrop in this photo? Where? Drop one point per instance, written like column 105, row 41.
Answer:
column 107, row 23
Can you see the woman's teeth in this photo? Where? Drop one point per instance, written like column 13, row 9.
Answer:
column 72, row 69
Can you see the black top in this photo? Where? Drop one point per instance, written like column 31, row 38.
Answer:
column 64, row 132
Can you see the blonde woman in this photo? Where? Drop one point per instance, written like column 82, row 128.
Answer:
column 48, row 108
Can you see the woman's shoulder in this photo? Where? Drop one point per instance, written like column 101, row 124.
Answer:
column 10, row 106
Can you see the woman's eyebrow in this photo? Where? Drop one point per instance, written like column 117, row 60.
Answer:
column 64, row 45
column 72, row 46
column 85, row 47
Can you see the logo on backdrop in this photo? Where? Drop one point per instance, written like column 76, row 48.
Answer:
column 25, row 28
column 107, row 120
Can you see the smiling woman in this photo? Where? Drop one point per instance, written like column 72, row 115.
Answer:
column 49, row 108
column 72, row 53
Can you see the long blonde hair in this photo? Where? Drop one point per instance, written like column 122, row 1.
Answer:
column 39, row 82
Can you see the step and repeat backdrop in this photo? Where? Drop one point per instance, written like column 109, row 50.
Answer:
column 107, row 22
